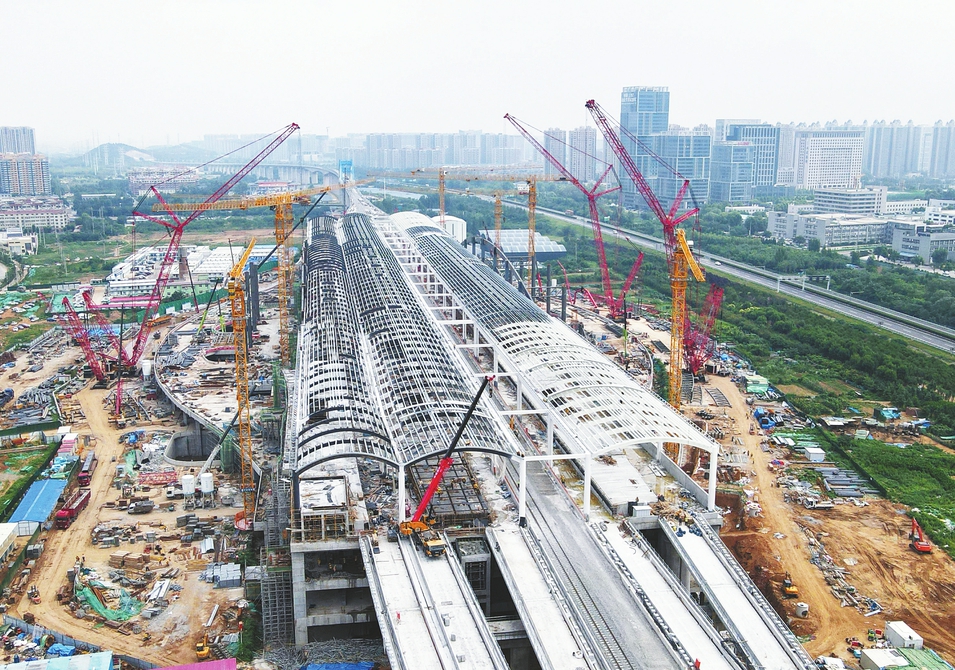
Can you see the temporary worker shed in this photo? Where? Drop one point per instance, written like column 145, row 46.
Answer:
column 815, row 454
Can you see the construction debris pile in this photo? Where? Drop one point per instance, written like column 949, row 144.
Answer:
column 329, row 651
column 835, row 576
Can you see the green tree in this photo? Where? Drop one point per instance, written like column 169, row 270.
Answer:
column 939, row 256
column 813, row 244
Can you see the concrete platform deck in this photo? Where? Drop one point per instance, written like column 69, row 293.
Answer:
column 762, row 638
column 426, row 611
column 547, row 629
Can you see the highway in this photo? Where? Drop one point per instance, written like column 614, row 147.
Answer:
column 894, row 322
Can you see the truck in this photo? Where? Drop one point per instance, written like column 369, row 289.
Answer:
column 74, row 505
column 425, row 537
column 86, row 472
column 174, row 493
column 141, row 507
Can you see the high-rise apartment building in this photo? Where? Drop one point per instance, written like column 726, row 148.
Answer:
column 732, row 170
column 501, row 149
column 555, row 142
column 644, row 112
column 24, row 174
column 582, row 153
column 17, row 140
column 828, row 157
column 942, row 163
column 764, row 139
column 892, row 149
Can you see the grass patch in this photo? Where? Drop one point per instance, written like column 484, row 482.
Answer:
column 9, row 339
column 919, row 476
column 794, row 389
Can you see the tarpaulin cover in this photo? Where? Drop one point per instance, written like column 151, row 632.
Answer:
column 40, row 501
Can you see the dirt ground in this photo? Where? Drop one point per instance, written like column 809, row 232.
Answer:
column 870, row 542
column 175, row 630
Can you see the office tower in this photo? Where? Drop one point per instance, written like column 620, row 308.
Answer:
column 764, row 139
column 732, row 171
column 722, row 129
column 828, row 157
column 688, row 153
column 644, row 112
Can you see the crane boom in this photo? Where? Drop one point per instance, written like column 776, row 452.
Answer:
column 165, row 268
column 591, row 194
column 447, row 459
column 243, row 410
column 668, row 218
column 81, row 335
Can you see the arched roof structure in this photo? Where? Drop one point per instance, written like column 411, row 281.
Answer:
column 588, row 392
column 376, row 375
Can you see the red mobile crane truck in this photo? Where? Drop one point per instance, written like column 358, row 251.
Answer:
column 76, row 504
column 427, row 537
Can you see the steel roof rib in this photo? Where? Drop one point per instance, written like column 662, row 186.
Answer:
column 378, row 376
column 586, row 389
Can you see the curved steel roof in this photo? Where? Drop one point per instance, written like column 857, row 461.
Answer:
column 377, row 377
column 596, row 400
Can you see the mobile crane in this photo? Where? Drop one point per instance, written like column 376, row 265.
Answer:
column 424, row 535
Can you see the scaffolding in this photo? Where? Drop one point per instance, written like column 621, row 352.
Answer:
column 278, row 620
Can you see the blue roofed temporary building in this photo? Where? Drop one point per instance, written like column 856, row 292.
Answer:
column 39, row 502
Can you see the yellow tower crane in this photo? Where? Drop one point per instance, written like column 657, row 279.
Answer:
column 281, row 203
column 683, row 265
column 243, row 410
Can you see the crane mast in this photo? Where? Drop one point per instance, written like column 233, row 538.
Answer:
column 244, row 421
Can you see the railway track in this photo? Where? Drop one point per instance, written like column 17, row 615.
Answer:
column 604, row 641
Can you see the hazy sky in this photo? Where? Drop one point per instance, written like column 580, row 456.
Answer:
column 143, row 73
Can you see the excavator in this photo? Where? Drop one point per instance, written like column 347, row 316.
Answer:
column 918, row 540
column 429, row 539
column 202, row 647
column 789, row 589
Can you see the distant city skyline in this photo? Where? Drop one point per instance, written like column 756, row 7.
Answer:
column 424, row 66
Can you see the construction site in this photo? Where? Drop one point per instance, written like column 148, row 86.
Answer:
column 432, row 453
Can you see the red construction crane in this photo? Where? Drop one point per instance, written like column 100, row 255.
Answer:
column 697, row 344
column 668, row 218
column 81, row 335
column 416, row 524
column 177, row 226
column 615, row 304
